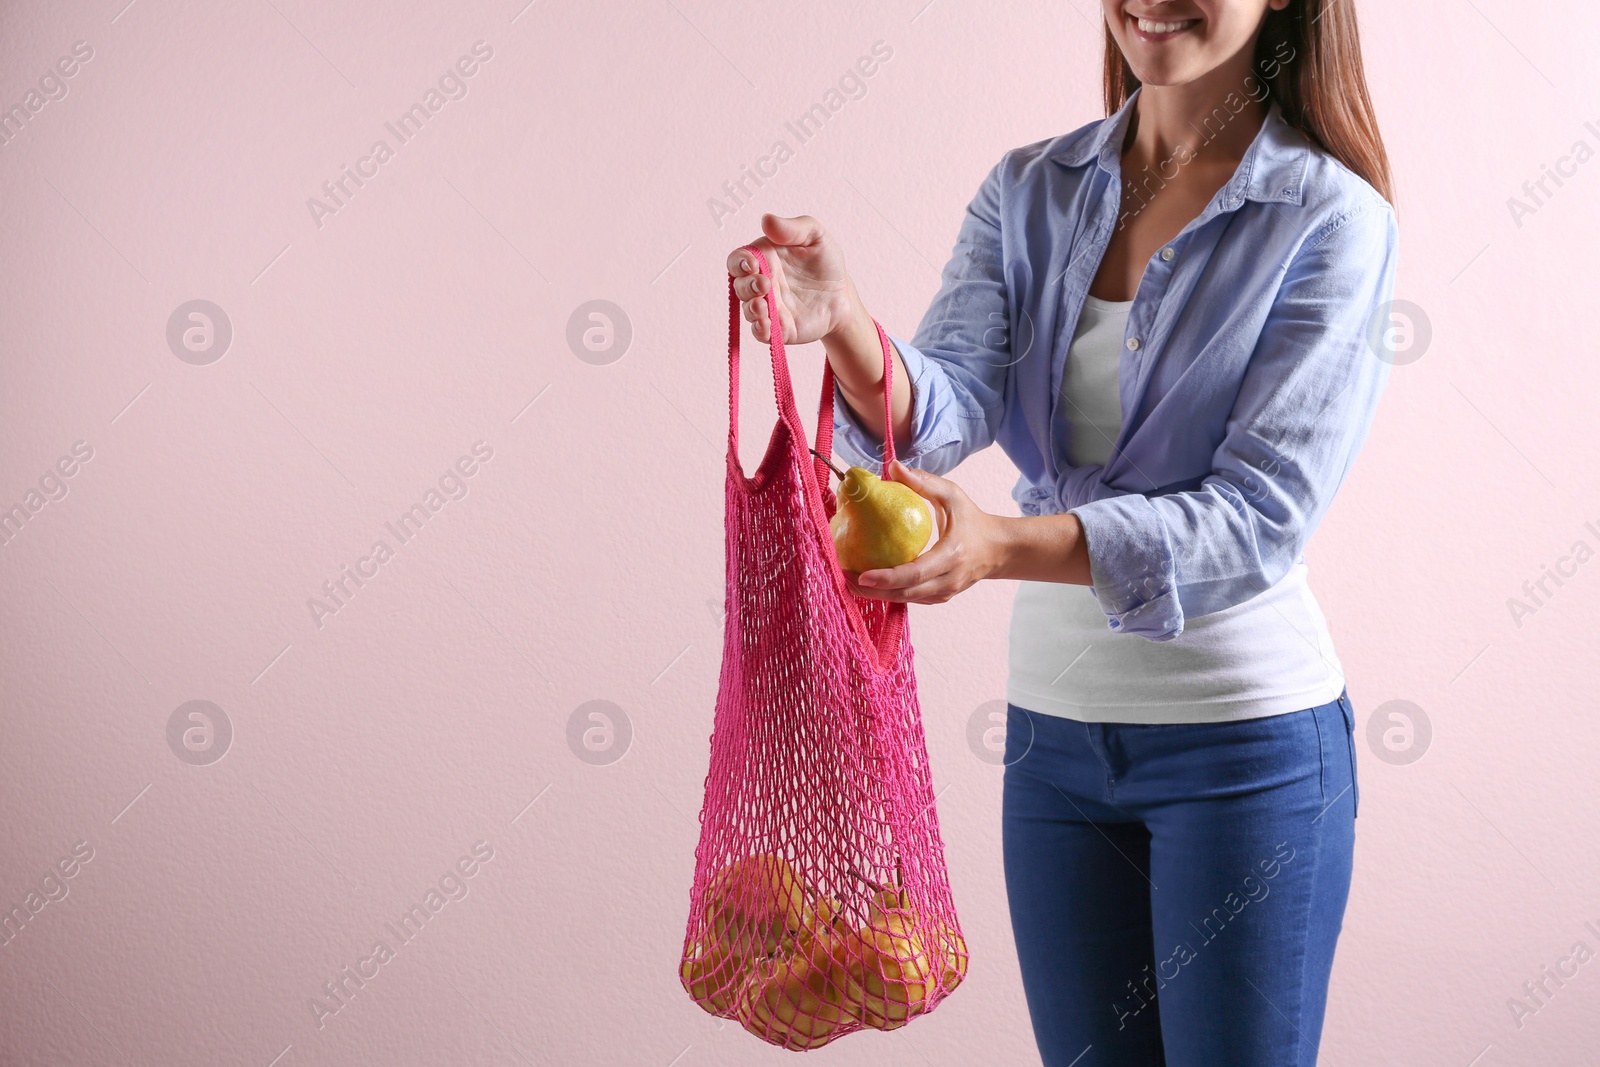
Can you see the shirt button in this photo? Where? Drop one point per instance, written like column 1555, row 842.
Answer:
column 1166, row 253
column 1133, row 344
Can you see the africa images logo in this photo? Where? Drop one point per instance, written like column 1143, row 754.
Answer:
column 452, row 85
column 851, row 85
column 451, row 886
column 339, row 591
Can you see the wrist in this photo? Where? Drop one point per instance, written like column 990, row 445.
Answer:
column 1047, row 548
column 1005, row 546
column 853, row 330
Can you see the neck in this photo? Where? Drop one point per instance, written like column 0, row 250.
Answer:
column 1214, row 118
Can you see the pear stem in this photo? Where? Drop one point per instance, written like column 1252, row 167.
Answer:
column 829, row 462
column 877, row 887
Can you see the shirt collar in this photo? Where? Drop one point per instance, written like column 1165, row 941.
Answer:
column 1273, row 167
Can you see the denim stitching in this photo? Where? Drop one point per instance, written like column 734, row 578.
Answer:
column 1350, row 738
column 1098, row 747
column 1322, row 758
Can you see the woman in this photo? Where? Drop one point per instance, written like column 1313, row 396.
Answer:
column 1163, row 318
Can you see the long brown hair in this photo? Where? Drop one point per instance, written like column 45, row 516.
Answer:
column 1321, row 88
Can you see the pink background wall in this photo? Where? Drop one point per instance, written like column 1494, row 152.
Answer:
column 444, row 704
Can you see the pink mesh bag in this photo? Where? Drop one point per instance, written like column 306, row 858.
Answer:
column 820, row 904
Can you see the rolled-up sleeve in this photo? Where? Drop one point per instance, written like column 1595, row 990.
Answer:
column 957, row 360
column 1304, row 408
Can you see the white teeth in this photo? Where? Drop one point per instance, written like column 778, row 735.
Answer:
column 1161, row 27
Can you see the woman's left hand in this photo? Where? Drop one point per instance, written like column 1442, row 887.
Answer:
column 971, row 546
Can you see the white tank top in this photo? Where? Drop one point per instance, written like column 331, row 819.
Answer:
column 1270, row 655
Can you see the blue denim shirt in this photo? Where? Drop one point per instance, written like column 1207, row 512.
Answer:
column 1249, row 377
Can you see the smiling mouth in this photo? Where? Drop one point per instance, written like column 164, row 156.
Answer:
column 1161, row 30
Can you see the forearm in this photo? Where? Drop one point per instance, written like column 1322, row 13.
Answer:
column 856, row 355
column 1042, row 548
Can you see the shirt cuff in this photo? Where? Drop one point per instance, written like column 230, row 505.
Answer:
column 1131, row 563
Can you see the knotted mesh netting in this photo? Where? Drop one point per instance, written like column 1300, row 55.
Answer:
column 820, row 904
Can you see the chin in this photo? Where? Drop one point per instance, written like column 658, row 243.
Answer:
column 1161, row 77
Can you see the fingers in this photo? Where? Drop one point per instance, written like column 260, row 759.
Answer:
column 900, row 584
column 905, row 576
column 777, row 231
column 932, row 578
column 943, row 496
column 933, row 570
column 755, row 312
column 752, row 287
column 939, row 573
column 758, row 320
column 925, row 484
column 741, row 262
column 755, row 307
column 748, row 282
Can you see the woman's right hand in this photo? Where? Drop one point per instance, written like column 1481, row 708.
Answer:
column 814, row 293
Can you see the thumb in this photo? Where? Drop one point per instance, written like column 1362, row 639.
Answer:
column 800, row 230
column 940, row 492
column 921, row 482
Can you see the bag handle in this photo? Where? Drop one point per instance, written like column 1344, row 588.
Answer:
column 783, row 386
column 819, row 499
column 825, row 408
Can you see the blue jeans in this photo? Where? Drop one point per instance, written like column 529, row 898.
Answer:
column 1176, row 890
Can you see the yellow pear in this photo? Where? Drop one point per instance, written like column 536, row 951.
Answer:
column 878, row 523
column 889, row 973
column 894, row 905
column 796, row 1002
column 944, row 938
column 753, row 902
column 712, row 974
column 886, row 900
column 819, row 917
column 955, row 957
column 820, row 913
